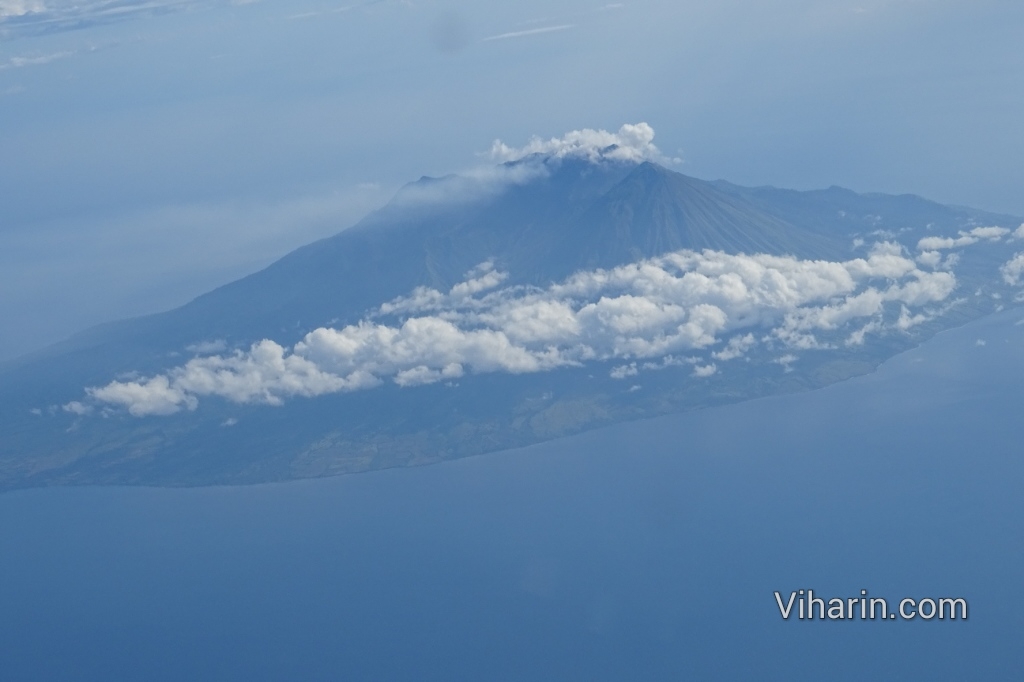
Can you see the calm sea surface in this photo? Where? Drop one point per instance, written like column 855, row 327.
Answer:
column 644, row 551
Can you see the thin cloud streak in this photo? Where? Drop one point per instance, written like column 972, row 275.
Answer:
column 529, row 32
column 23, row 61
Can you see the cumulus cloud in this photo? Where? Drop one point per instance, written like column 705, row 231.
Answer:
column 266, row 373
column 737, row 347
column 1019, row 232
column 994, row 233
column 965, row 238
column 704, row 371
column 671, row 310
column 154, row 396
column 931, row 259
column 1013, row 270
column 74, row 407
column 632, row 143
column 624, row 371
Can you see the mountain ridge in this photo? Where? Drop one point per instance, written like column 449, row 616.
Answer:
column 538, row 221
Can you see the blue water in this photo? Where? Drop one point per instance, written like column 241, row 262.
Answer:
column 644, row 551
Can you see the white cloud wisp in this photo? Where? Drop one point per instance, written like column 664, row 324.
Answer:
column 682, row 302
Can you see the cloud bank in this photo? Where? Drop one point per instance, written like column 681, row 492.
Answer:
column 632, row 143
column 706, row 303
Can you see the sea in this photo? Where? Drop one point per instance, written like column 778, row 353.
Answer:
column 649, row 550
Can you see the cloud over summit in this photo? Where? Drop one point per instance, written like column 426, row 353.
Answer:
column 632, row 143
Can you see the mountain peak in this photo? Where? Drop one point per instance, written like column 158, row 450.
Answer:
column 654, row 210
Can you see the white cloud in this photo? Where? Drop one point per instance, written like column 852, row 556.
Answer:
column 965, row 239
column 76, row 407
column 480, row 278
column 703, row 371
column 632, row 143
column 207, row 347
column 936, row 243
column 155, row 396
column 670, row 361
column 1019, row 232
column 422, row 374
column 18, row 8
column 736, row 348
column 907, row 320
column 858, row 337
column 35, row 60
column 786, row 361
column 1013, row 270
column 623, row 371
column 931, row 259
column 994, row 233
column 650, row 311
column 266, row 373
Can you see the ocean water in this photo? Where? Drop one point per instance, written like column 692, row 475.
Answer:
column 644, row 551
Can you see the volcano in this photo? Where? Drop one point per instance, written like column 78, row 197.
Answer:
column 478, row 313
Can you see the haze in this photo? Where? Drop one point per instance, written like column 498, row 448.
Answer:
column 151, row 154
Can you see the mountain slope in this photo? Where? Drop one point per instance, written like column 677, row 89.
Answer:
column 569, row 215
column 539, row 221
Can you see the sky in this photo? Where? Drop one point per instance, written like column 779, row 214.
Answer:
column 150, row 151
